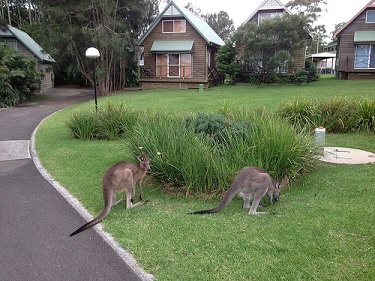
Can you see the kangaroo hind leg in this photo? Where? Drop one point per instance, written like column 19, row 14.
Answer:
column 246, row 200
column 254, row 206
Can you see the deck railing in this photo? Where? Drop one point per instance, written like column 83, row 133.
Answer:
column 181, row 72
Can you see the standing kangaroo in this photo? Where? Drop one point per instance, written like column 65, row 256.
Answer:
column 122, row 176
column 250, row 183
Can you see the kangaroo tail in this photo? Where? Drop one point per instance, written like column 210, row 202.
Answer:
column 210, row 211
column 93, row 222
column 226, row 200
column 86, row 226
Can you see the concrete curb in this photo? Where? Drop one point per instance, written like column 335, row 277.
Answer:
column 124, row 255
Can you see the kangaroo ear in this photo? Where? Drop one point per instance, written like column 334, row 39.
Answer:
column 140, row 158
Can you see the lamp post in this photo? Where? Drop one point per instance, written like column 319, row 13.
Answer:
column 93, row 53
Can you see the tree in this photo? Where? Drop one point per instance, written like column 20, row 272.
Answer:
column 319, row 36
column 195, row 10
column 308, row 8
column 70, row 27
column 19, row 12
column 226, row 61
column 311, row 10
column 221, row 24
column 266, row 47
column 18, row 77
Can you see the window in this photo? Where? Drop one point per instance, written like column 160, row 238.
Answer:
column 12, row 43
column 174, row 26
column 265, row 16
column 173, row 65
column 364, row 56
column 370, row 16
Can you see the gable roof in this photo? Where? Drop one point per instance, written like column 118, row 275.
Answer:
column 371, row 4
column 268, row 5
column 27, row 41
column 197, row 22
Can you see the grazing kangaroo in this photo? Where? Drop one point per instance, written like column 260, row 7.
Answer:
column 122, row 176
column 250, row 183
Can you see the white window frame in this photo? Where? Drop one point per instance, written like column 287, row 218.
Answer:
column 372, row 16
column 368, row 60
column 269, row 16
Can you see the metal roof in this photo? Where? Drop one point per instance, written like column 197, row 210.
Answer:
column 364, row 36
column 197, row 22
column 371, row 4
column 184, row 46
column 268, row 5
column 28, row 42
column 325, row 55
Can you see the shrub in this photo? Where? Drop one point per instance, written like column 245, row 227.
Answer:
column 84, row 125
column 18, row 77
column 202, row 153
column 195, row 163
column 338, row 115
column 110, row 123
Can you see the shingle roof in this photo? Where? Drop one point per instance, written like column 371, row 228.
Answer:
column 28, row 42
column 197, row 22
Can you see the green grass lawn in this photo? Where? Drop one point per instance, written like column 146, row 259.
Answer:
column 323, row 229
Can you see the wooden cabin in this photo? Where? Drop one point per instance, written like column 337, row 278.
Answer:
column 25, row 45
column 355, row 54
column 178, row 51
column 270, row 9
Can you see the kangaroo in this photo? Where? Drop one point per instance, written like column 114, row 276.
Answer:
column 122, row 176
column 250, row 183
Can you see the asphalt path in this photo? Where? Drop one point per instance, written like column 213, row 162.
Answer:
column 36, row 219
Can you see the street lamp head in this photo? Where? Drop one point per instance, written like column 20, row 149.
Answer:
column 92, row 53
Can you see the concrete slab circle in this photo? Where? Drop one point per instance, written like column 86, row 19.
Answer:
column 343, row 155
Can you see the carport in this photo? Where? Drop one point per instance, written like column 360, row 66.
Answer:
column 324, row 62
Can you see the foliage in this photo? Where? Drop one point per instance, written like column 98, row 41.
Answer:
column 311, row 10
column 221, row 24
column 338, row 115
column 266, row 47
column 312, row 73
column 306, row 75
column 19, row 78
column 68, row 28
column 109, row 123
column 19, row 12
column 308, row 8
column 202, row 153
column 226, row 61
column 208, row 125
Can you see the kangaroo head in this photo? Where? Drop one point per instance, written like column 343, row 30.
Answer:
column 275, row 189
column 144, row 162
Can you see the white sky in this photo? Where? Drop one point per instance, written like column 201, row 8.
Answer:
column 239, row 10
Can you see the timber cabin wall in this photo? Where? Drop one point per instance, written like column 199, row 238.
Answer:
column 299, row 61
column 199, row 54
column 346, row 50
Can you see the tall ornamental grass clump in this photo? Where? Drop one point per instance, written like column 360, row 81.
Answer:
column 179, row 158
column 202, row 162
column 111, row 122
column 338, row 115
column 203, row 152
